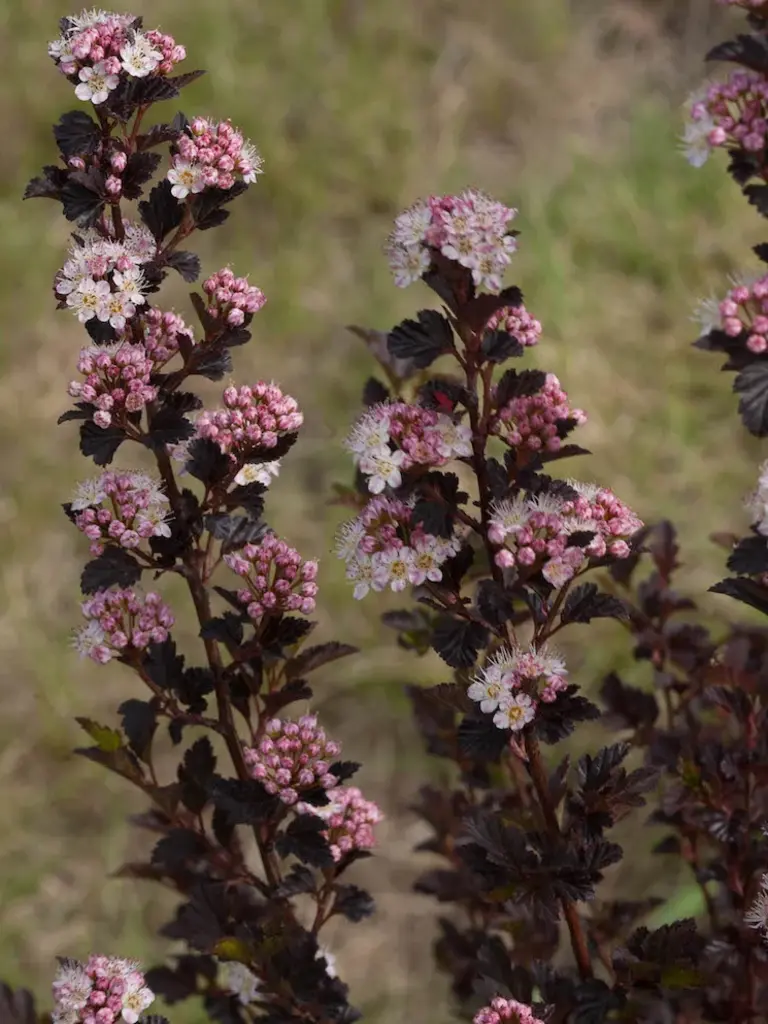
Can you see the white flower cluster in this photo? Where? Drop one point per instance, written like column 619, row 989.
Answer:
column 102, row 991
column 102, row 277
column 421, row 436
column 508, row 685
column 382, row 549
column 472, row 229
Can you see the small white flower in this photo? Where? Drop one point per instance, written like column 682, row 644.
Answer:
column 369, row 433
column 695, row 141
column 425, row 563
column 514, row 712
column 116, row 308
column 139, row 244
column 88, row 494
column 348, row 539
column 330, row 962
column 487, row 693
column 508, row 517
column 707, row 314
column 186, row 178
column 139, row 58
column 382, row 467
column 240, row 981
column 95, row 84
column 393, row 567
column 455, row 438
column 155, row 517
column 87, row 299
column 258, row 473
column 131, row 282
column 88, row 641
column 558, row 572
column 136, row 999
column 408, row 263
column 360, row 571
column 250, row 162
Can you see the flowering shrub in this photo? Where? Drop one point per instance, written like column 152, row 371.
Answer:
column 248, row 920
column 453, row 498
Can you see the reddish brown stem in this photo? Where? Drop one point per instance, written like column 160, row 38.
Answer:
column 541, row 785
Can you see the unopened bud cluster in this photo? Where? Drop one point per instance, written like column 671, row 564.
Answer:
column 230, row 298
column 120, row 620
column 278, row 579
column 384, row 547
column 534, row 422
column 120, row 508
column 501, row 1010
column 253, row 419
column 394, row 436
column 210, row 154
column 350, row 819
column 293, row 757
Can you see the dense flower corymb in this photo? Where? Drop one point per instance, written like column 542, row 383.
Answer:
column 514, row 680
column 534, row 421
column 393, row 436
column 96, row 48
column 277, row 578
column 102, row 277
column 293, row 757
column 104, row 990
column 472, row 229
column 502, row 1009
column 230, row 298
column 382, row 547
column 115, row 380
column 517, row 321
column 538, row 533
column 122, row 508
column 730, row 114
column 210, row 154
column 350, row 818
column 122, row 620
column 253, row 419
column 744, row 310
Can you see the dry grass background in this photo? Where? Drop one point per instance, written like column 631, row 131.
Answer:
column 569, row 110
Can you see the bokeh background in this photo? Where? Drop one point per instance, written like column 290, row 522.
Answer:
column 568, row 110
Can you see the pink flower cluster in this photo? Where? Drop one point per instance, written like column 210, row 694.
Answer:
column 116, row 381
column 291, row 757
column 502, row 1009
column 531, row 421
column 536, row 532
column 103, row 990
column 514, row 680
column 392, row 437
column 211, row 154
column 350, row 820
column 743, row 310
column 472, row 229
column 382, row 548
column 728, row 114
column 278, row 580
column 230, row 298
column 253, row 419
column 102, row 277
column 161, row 333
column 517, row 321
column 124, row 508
column 98, row 47
column 121, row 619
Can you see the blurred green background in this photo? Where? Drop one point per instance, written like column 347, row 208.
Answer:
column 569, row 111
